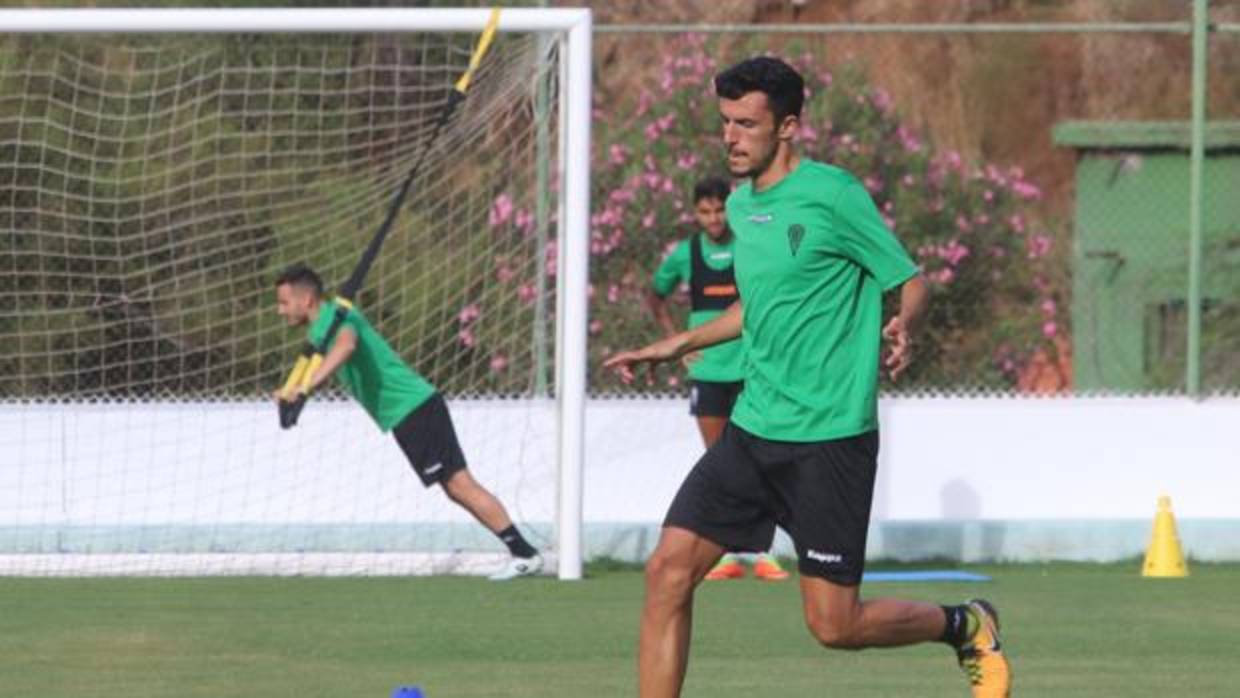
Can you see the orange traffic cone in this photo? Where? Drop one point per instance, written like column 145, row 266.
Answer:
column 1164, row 557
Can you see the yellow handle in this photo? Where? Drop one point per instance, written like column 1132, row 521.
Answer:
column 294, row 377
column 312, row 367
column 484, row 42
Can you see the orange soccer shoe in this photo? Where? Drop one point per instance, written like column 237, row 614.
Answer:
column 768, row 569
column 981, row 656
column 728, row 567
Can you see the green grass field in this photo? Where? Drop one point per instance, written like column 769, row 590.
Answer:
column 1071, row 630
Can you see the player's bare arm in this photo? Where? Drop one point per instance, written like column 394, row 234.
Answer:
column 723, row 328
column 900, row 329
column 658, row 308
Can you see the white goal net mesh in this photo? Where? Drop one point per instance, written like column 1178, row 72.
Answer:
column 151, row 189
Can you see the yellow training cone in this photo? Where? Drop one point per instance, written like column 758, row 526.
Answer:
column 1164, row 557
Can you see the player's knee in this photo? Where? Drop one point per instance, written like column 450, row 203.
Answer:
column 457, row 486
column 667, row 575
column 832, row 631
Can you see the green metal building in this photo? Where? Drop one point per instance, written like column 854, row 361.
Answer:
column 1131, row 256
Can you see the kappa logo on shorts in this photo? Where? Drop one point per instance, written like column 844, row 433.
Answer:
column 795, row 233
column 824, row 558
column 434, row 468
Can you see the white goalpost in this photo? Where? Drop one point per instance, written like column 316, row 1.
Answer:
column 158, row 168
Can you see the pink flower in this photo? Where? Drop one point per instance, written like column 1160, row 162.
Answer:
column 673, row 381
column 596, row 326
column 808, row 133
column 466, row 337
column 1039, row 246
column 962, row 223
column 504, row 273
column 523, row 220
column 687, row 161
column 525, row 293
column 618, row 154
column 1017, row 223
column 648, row 220
column 499, row 362
column 908, row 180
column 501, row 210
column 909, row 140
column 953, row 252
column 1049, row 328
column 873, row 184
column 1048, row 307
column 613, row 293
column 1026, row 191
column 468, row 314
column 988, row 195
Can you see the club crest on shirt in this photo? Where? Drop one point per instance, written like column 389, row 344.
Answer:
column 795, row 233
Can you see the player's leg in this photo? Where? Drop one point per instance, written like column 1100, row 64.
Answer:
column 429, row 441
column 680, row 561
column 722, row 504
column 464, row 490
column 838, row 618
column 828, row 490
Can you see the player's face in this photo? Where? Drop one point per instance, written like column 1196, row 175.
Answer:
column 711, row 217
column 293, row 304
column 750, row 133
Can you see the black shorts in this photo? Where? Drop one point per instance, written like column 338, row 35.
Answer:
column 819, row 492
column 713, row 398
column 429, row 441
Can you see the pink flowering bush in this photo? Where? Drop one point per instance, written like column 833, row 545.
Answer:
column 973, row 228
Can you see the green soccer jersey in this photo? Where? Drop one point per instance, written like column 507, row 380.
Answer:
column 813, row 258
column 722, row 362
column 374, row 374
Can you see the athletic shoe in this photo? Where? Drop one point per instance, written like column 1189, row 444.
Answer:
column 518, row 567
column 728, row 567
column 767, row 568
column 981, row 656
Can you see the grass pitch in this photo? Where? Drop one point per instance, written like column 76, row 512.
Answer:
column 1071, row 630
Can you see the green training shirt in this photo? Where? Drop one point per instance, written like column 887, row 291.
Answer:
column 722, row 362
column 374, row 374
column 813, row 258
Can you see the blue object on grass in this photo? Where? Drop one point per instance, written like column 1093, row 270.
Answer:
column 925, row 576
column 407, row 692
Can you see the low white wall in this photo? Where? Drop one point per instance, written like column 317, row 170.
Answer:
column 1053, row 472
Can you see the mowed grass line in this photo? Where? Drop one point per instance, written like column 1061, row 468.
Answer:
column 1071, row 630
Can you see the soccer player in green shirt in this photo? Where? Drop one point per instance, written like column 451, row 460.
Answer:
column 402, row 402
column 813, row 258
column 704, row 262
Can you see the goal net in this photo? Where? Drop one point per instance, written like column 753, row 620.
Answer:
column 154, row 183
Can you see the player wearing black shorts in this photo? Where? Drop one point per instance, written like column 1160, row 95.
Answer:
column 813, row 258
column 402, row 402
column 704, row 262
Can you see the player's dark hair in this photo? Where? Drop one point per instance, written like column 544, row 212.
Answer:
column 711, row 188
column 783, row 86
column 301, row 276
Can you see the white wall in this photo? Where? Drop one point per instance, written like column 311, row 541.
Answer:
column 1040, row 464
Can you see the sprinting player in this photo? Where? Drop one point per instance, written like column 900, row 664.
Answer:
column 813, row 258
column 704, row 261
column 400, row 401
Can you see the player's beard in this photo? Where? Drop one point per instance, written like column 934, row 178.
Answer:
column 761, row 165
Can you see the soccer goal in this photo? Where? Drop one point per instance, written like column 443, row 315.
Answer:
column 158, row 168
